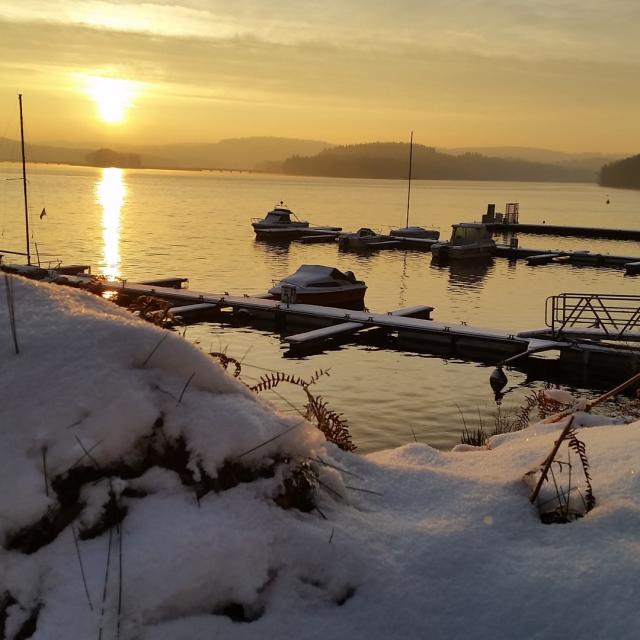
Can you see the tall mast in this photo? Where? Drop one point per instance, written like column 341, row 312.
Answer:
column 409, row 189
column 24, row 182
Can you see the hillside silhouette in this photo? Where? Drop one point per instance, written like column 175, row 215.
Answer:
column 390, row 160
column 624, row 174
column 252, row 154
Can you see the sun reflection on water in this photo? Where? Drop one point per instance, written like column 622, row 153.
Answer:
column 111, row 191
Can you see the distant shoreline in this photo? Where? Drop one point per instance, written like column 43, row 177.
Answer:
column 293, row 175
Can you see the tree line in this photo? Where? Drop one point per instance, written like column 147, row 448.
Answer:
column 623, row 173
column 391, row 160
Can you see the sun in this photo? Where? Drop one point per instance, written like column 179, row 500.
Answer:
column 112, row 96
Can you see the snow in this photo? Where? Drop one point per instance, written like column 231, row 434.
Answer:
column 440, row 545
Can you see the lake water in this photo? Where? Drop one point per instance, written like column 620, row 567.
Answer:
column 143, row 224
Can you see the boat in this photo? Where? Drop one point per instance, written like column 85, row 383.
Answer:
column 279, row 225
column 363, row 238
column 468, row 240
column 321, row 285
column 278, row 218
column 413, row 232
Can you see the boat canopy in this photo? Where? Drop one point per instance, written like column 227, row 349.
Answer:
column 467, row 232
column 365, row 232
column 278, row 215
column 317, row 275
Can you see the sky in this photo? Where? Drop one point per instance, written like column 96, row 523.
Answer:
column 559, row 74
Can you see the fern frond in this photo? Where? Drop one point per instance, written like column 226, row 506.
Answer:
column 580, row 449
column 226, row 360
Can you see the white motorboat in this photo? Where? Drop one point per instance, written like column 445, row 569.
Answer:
column 468, row 240
column 318, row 284
column 280, row 217
column 279, row 224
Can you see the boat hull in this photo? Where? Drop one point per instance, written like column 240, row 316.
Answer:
column 343, row 298
column 462, row 252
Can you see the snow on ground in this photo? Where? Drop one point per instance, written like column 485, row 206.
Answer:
column 450, row 549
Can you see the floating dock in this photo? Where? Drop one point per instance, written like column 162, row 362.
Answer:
column 569, row 257
column 563, row 230
column 587, row 331
column 412, row 328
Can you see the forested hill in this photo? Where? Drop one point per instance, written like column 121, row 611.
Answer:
column 391, row 160
column 624, row 173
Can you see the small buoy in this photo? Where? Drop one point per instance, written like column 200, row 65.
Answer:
column 498, row 380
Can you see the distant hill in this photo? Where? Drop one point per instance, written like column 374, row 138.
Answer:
column 624, row 173
column 591, row 161
column 10, row 152
column 258, row 153
column 390, row 160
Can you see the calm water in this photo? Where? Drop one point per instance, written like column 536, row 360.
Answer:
column 142, row 224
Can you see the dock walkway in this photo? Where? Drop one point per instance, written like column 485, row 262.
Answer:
column 413, row 333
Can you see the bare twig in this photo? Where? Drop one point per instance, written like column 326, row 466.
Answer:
column 87, row 452
column 266, row 442
column 44, row 471
column 119, row 578
column 84, row 579
column 375, row 493
column 106, row 583
column 186, row 385
column 8, row 283
column 549, row 460
column 146, row 360
column 329, row 489
column 333, row 466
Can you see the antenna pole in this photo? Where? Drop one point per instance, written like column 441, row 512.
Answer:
column 409, row 188
column 24, row 182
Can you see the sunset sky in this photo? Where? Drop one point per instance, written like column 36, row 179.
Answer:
column 561, row 74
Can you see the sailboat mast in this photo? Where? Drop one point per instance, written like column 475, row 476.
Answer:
column 409, row 188
column 24, row 182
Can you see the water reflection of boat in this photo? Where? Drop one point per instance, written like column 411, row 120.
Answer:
column 469, row 274
column 468, row 240
column 279, row 225
column 318, row 284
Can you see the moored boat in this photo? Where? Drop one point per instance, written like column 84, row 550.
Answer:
column 279, row 225
column 415, row 232
column 468, row 240
column 280, row 217
column 322, row 285
column 361, row 239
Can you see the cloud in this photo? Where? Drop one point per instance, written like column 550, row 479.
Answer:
column 536, row 29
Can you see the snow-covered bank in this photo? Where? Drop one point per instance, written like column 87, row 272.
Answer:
column 452, row 547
